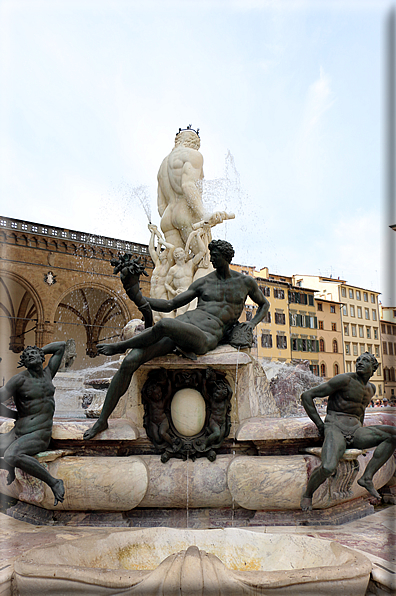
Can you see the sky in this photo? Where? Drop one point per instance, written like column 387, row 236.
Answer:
column 290, row 99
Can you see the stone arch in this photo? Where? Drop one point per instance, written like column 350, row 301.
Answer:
column 94, row 307
column 20, row 308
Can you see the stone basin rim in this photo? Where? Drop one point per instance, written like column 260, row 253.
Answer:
column 29, row 566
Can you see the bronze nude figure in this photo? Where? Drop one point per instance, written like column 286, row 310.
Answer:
column 33, row 393
column 348, row 396
column 221, row 298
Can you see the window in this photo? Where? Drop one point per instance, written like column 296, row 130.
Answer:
column 336, row 369
column 389, row 329
column 310, row 299
column 350, row 293
column 394, row 330
column 343, row 292
column 320, row 306
column 320, row 324
column 346, row 329
column 279, row 293
column 335, row 346
column 24, row 227
column 377, row 351
column 359, row 312
column 353, row 329
column 265, row 290
column 352, row 310
column 367, row 313
column 390, row 348
column 293, row 320
column 348, row 349
column 375, row 332
column 15, row 225
column 365, row 296
column 361, row 331
column 44, row 231
column 344, row 310
column 321, row 345
column 334, row 326
column 249, row 315
column 374, row 313
column 379, row 374
column 281, row 342
column 73, row 236
column 348, row 366
column 323, row 370
column 362, row 349
column 315, row 369
column 332, row 308
column 267, row 318
column 280, row 318
column 368, row 332
column 266, row 340
column 34, row 229
column 383, row 329
column 358, row 296
column 372, row 296
column 355, row 349
column 369, row 348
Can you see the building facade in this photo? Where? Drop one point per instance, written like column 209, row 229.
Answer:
column 59, row 284
column 289, row 331
column 388, row 340
column 331, row 355
column 360, row 320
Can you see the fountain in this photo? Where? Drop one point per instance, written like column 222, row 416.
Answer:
column 201, row 443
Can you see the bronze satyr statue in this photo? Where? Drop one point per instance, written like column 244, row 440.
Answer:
column 33, row 393
column 348, row 396
column 221, row 299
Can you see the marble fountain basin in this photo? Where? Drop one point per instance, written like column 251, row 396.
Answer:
column 169, row 562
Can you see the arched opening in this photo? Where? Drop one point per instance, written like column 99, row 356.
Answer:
column 335, row 346
column 321, row 345
column 22, row 309
column 89, row 315
column 323, row 370
column 336, row 369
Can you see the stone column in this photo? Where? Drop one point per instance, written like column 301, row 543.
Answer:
column 44, row 333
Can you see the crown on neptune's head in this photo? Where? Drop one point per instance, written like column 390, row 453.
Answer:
column 189, row 127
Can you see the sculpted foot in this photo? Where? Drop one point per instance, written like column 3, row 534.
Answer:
column 11, row 476
column 107, row 349
column 98, row 427
column 59, row 492
column 369, row 486
column 306, row 504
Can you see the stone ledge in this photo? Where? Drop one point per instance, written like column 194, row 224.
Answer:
column 221, row 356
column 264, row 428
column 120, row 429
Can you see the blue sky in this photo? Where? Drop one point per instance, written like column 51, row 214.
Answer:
column 93, row 93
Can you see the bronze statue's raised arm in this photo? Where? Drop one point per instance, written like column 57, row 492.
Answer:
column 57, row 349
column 160, row 305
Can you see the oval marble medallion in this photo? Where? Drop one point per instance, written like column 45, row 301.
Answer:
column 188, row 411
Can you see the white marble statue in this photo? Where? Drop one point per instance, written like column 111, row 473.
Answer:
column 180, row 191
column 163, row 260
column 181, row 274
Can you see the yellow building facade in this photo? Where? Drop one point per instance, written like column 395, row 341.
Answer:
column 359, row 316
column 289, row 331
